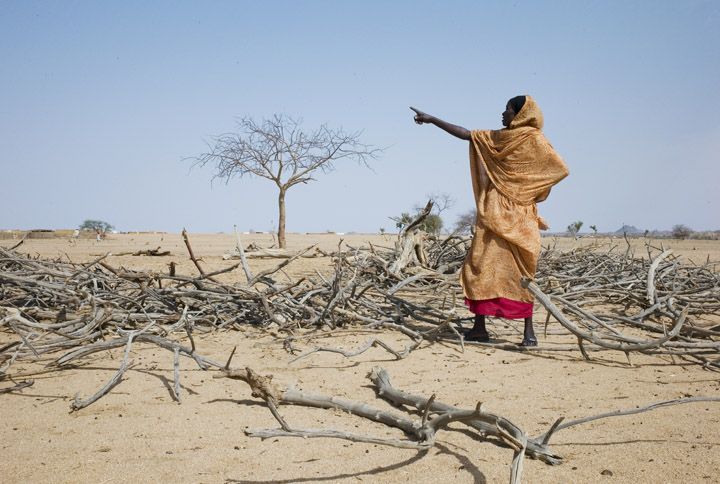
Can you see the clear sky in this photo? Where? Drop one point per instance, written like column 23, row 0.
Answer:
column 100, row 102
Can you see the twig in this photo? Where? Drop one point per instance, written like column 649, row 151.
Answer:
column 192, row 256
column 18, row 386
column 176, row 373
column 246, row 267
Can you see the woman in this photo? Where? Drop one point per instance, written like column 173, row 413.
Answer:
column 512, row 169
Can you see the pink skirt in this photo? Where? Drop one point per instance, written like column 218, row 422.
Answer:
column 501, row 307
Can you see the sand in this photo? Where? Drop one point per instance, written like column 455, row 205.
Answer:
column 137, row 433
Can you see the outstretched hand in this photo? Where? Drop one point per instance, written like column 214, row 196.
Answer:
column 420, row 117
column 457, row 131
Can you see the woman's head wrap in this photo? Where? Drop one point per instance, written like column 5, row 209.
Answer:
column 519, row 160
column 528, row 114
column 517, row 103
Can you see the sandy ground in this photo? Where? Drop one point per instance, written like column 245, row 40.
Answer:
column 138, row 433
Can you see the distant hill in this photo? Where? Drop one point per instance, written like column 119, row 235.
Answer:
column 629, row 229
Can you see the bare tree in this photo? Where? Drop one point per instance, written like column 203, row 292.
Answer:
column 279, row 150
column 681, row 231
column 465, row 223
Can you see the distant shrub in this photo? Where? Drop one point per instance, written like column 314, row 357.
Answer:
column 95, row 225
column 706, row 235
column 681, row 231
column 574, row 228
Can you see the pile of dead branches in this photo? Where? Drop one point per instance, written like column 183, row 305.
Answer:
column 616, row 301
column 607, row 299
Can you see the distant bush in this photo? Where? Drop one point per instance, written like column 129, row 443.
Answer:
column 574, row 228
column 95, row 225
column 706, row 235
column 681, row 231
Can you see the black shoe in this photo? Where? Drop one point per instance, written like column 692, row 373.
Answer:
column 477, row 337
column 529, row 342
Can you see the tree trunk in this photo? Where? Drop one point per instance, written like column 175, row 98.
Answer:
column 281, row 219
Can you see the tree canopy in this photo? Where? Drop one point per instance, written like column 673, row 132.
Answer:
column 94, row 225
column 575, row 227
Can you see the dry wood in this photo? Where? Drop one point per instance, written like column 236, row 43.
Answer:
column 410, row 243
column 600, row 297
column 558, row 425
column 78, row 404
column 192, row 255
column 148, row 252
column 262, row 253
column 651, row 275
column 241, row 252
column 421, row 434
column 17, row 386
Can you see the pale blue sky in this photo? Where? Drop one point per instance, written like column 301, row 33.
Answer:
column 101, row 101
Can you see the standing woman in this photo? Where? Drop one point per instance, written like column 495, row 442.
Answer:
column 512, row 169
